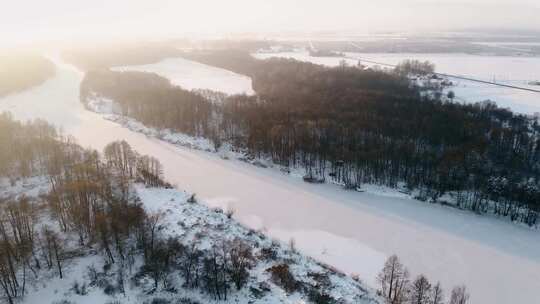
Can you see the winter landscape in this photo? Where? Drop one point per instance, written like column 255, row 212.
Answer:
column 313, row 167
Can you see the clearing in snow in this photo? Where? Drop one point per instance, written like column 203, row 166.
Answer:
column 192, row 75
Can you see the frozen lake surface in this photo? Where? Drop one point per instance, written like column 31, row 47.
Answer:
column 192, row 75
column 517, row 71
column 498, row 261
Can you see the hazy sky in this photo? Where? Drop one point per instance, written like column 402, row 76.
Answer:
column 45, row 19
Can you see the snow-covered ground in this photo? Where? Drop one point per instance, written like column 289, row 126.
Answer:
column 517, row 71
column 214, row 227
column 29, row 187
column 192, row 75
column 191, row 223
column 355, row 232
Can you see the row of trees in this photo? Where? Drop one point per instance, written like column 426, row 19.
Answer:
column 152, row 99
column 397, row 288
column 352, row 126
column 215, row 271
column 119, row 54
column 24, row 148
column 20, row 71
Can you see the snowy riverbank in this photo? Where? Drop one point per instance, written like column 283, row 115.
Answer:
column 190, row 223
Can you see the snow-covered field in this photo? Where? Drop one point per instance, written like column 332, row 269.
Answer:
column 355, row 232
column 304, row 56
column 517, row 71
column 192, row 75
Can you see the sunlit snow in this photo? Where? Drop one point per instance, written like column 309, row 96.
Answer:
column 192, row 75
column 497, row 260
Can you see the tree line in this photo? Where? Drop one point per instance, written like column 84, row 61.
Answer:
column 22, row 71
column 352, row 126
column 118, row 54
column 396, row 287
column 152, row 100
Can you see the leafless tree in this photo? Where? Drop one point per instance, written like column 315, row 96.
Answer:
column 437, row 294
column 420, row 291
column 459, row 295
column 241, row 260
column 394, row 280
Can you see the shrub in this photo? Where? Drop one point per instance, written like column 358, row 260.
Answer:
column 79, row 289
column 186, row 301
column 92, row 275
column 230, row 212
column 282, row 276
column 160, row 301
column 257, row 293
column 321, row 278
column 192, row 199
column 268, row 253
column 292, row 245
column 110, row 289
column 107, row 267
column 318, row 297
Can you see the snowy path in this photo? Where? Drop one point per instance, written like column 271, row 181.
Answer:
column 499, row 261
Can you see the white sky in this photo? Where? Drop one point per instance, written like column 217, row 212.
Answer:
column 27, row 20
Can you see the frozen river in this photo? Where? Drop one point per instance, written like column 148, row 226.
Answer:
column 498, row 261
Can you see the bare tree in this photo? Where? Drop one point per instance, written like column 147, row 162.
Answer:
column 241, row 259
column 437, row 294
column 420, row 291
column 191, row 265
column 394, row 280
column 215, row 271
column 459, row 295
column 55, row 248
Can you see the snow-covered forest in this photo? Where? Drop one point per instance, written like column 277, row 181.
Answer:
column 351, row 126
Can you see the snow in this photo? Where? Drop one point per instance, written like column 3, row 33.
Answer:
column 48, row 285
column 192, row 75
column 191, row 223
column 52, row 289
column 179, row 139
column 304, row 56
column 517, row 71
column 29, row 187
column 498, row 261
column 103, row 105
column 207, row 227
